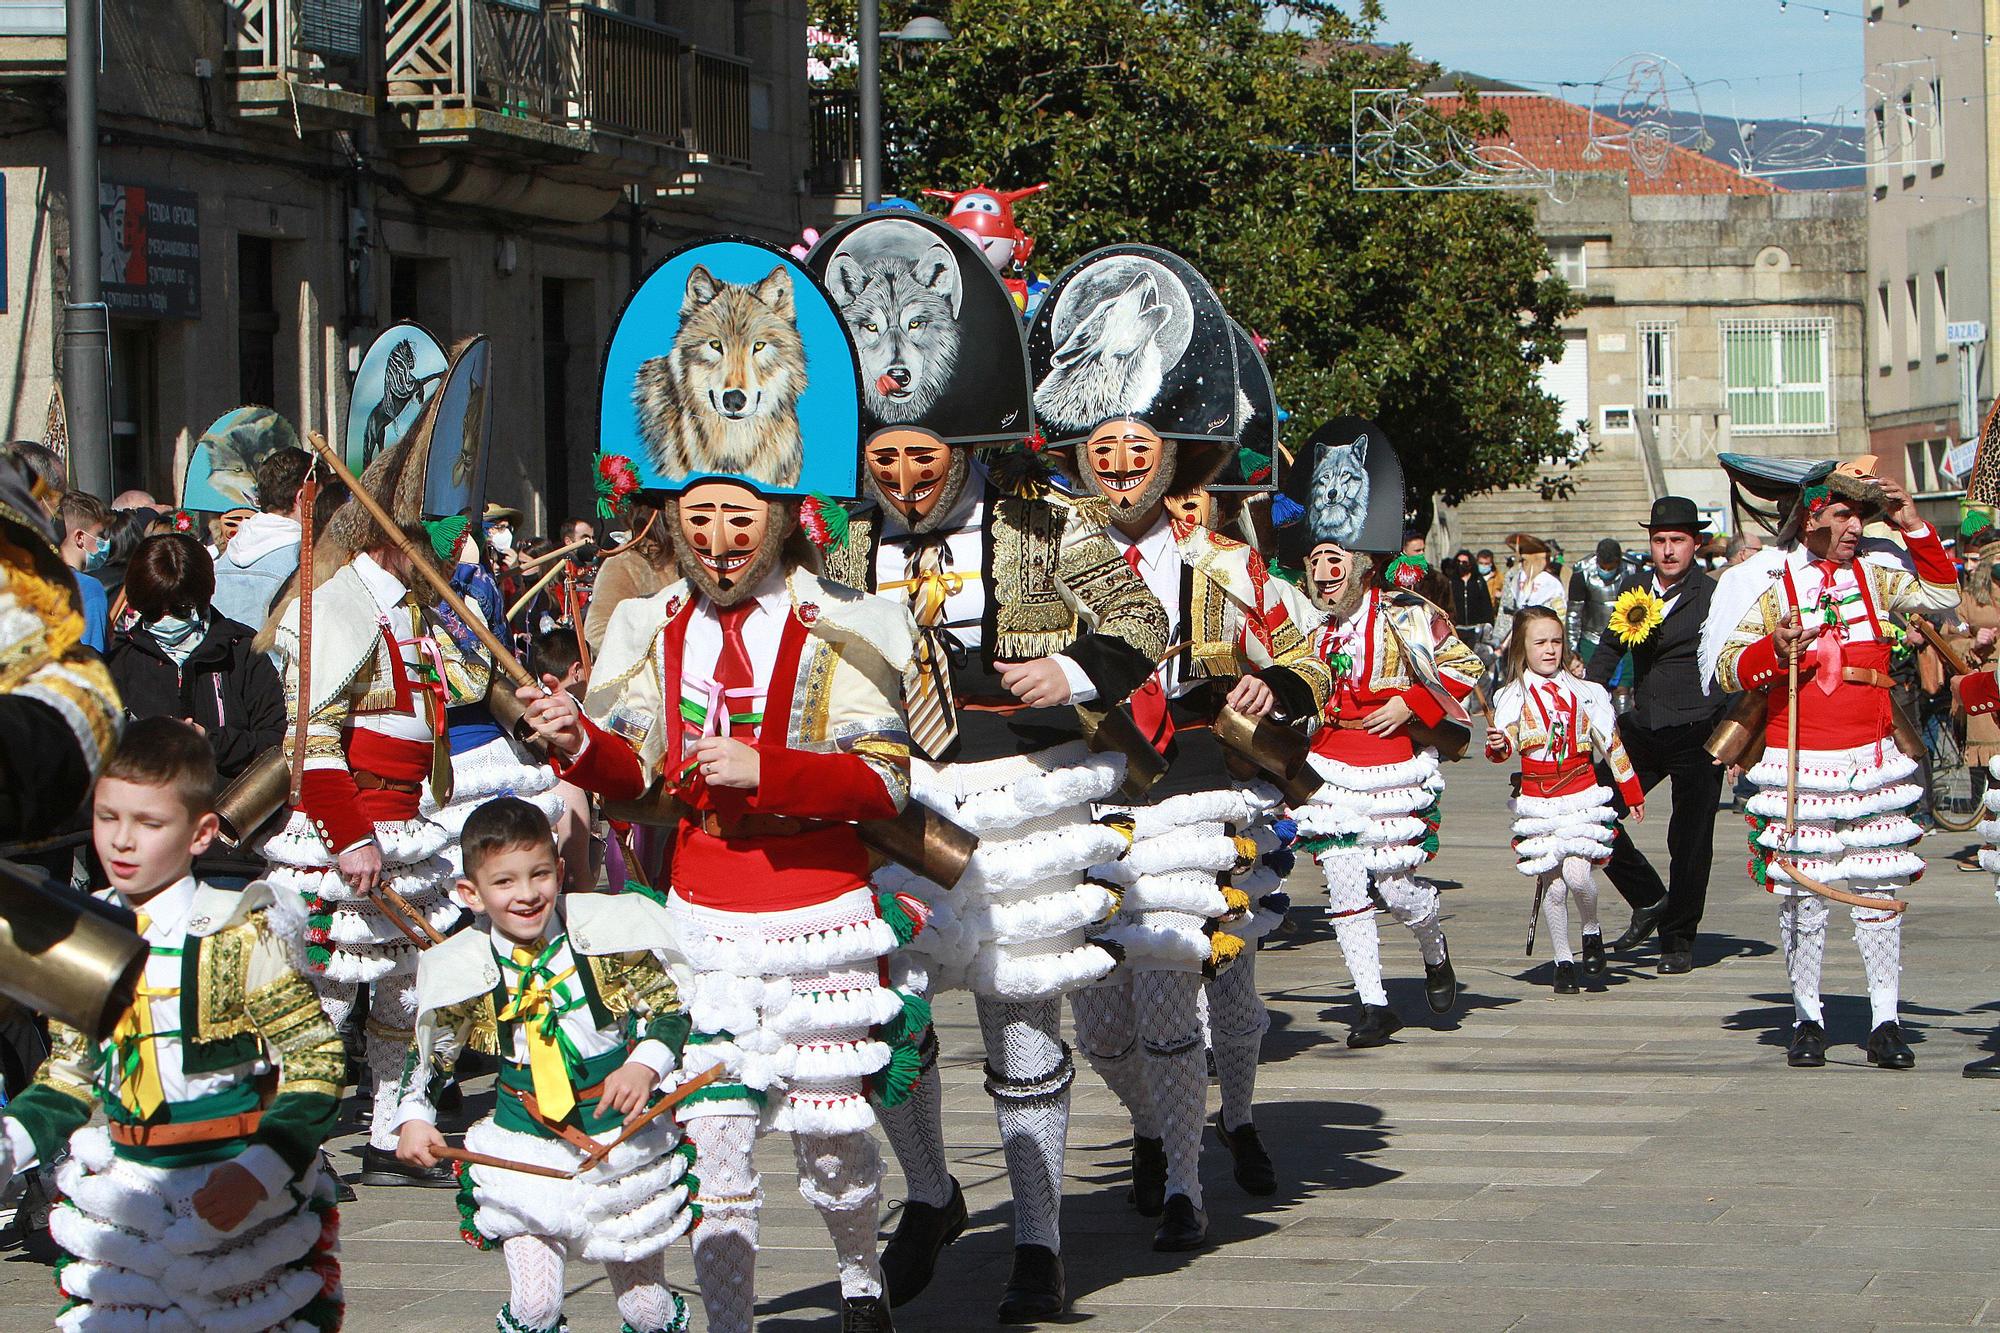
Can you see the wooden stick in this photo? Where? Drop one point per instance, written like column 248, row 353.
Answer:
column 481, row 1159
column 421, row 562
column 547, row 556
column 310, row 491
column 401, row 905
column 635, row 538
column 1935, row 638
column 664, row 1105
column 1893, row 906
column 555, row 572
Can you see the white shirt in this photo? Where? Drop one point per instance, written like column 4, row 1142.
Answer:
column 763, row 630
column 1160, row 565
column 166, row 928
column 390, row 598
column 964, row 535
column 1530, row 695
column 1844, row 589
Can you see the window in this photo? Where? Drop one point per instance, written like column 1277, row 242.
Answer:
column 1777, row 372
column 1877, row 149
column 1616, row 421
column 1566, row 262
column 1913, row 333
column 1884, row 351
column 1940, row 344
column 1926, row 459
column 1906, row 136
column 1656, row 365
column 1936, row 144
column 256, row 322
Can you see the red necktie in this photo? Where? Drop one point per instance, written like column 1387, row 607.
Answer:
column 1149, row 701
column 732, row 668
column 1828, row 651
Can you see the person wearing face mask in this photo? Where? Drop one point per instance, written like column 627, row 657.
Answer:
column 82, row 517
column 1399, row 675
column 1024, row 610
column 758, row 707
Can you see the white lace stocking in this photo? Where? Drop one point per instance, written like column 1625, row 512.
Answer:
column 841, row 1176
column 534, row 1281
column 1176, row 1078
column 725, row 1244
column 1880, row 936
column 1107, row 1030
column 1354, row 924
column 915, row 1130
column 1581, row 877
column 1028, row 1073
column 1802, row 931
column 1237, row 1022
column 390, row 1026
column 643, row 1299
column 1414, row 902
column 1555, row 913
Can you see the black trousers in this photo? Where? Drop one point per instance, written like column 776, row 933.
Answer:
column 1675, row 754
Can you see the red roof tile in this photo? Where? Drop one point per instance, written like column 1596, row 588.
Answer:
column 1553, row 133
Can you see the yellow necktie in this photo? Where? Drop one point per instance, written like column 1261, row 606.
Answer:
column 533, row 1008
column 139, row 1064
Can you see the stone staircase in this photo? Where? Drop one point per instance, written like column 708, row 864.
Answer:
column 1611, row 499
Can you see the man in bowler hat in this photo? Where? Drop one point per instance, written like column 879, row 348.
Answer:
column 1664, row 730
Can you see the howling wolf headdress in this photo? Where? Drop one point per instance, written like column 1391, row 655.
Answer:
column 1348, row 483
column 731, row 362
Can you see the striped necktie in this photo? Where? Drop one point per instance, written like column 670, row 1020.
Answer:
column 927, row 682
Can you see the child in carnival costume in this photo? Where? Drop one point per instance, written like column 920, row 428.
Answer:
column 383, row 675
column 1399, row 673
column 202, row 1203
column 1824, row 592
column 587, row 1024
column 1133, row 443
column 760, row 704
column 1024, row 610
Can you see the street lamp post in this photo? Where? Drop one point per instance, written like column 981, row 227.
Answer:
column 869, row 38
column 86, row 321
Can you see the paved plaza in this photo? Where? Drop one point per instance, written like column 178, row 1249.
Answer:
column 1634, row 1158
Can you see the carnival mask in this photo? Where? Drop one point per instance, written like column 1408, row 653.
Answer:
column 1329, row 580
column 1196, row 507
column 1127, row 463
column 916, row 474
column 727, row 538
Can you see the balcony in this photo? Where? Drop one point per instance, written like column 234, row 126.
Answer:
column 299, row 62
column 33, row 42
column 834, row 117
column 718, row 109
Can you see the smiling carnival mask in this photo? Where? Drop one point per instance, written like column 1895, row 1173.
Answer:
column 1127, row 463
column 914, row 473
column 727, row 538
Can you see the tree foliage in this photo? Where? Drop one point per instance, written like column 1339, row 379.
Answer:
column 1194, row 125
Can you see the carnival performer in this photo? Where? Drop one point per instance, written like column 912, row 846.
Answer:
column 1025, row 611
column 201, row 1204
column 1399, row 675
column 1558, row 724
column 383, row 674
column 587, row 1024
column 761, row 704
column 1978, row 693
column 1822, row 595
column 1529, row 582
column 1141, row 1028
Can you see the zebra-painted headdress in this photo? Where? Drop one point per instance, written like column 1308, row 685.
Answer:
column 1347, row 486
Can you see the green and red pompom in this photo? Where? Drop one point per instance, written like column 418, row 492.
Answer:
column 616, row 482
column 824, row 520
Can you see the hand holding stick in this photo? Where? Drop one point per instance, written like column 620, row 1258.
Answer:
column 505, row 1164
column 658, row 1109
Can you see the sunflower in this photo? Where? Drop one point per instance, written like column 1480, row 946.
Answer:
column 1635, row 615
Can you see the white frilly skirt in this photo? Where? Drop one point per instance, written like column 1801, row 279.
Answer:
column 1018, row 923
column 343, row 936
column 495, row 769
column 1548, row 830
column 1173, row 899
column 1853, row 827
column 632, row 1204
column 1375, row 812
column 790, row 1000
column 142, row 1260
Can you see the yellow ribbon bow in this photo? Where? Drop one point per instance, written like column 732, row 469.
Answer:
column 929, row 590
column 132, row 1040
column 532, row 1008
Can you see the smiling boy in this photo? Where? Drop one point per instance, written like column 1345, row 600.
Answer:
column 205, row 1187
column 586, row 1024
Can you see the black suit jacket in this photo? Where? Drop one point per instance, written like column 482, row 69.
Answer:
column 1666, row 675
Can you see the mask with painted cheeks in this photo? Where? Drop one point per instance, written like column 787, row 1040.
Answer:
column 914, row 473
column 727, row 537
column 1331, row 580
column 1196, row 507
column 1126, row 462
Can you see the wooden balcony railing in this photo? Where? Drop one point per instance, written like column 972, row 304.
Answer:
column 718, row 108
column 301, row 57
column 626, row 74
column 834, row 120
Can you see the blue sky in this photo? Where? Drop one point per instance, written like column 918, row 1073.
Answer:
column 1772, row 60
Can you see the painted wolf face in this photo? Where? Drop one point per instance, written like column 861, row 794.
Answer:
column 903, row 313
column 1110, row 363
column 739, row 347
column 1339, row 505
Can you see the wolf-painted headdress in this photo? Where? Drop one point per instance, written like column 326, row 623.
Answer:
column 1348, row 485
column 936, row 332
column 1251, row 469
column 402, row 371
column 221, row 472
column 730, row 362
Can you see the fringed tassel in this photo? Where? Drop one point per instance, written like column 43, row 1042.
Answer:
column 903, row 914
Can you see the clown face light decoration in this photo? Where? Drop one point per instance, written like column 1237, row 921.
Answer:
column 986, row 216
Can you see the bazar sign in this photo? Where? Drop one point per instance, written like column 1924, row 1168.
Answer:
column 149, row 248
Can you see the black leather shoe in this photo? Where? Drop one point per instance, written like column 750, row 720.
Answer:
column 1644, row 921
column 1987, row 1068
column 922, row 1232
column 1378, row 1023
column 1441, row 984
column 1887, row 1048
column 865, row 1314
column 1566, row 978
column 1593, row 956
column 1674, row 962
column 1253, row 1169
column 1808, row 1048
column 379, row 1166
column 1149, row 1176
column 342, row 1191
column 1185, row 1227
column 1035, row 1287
